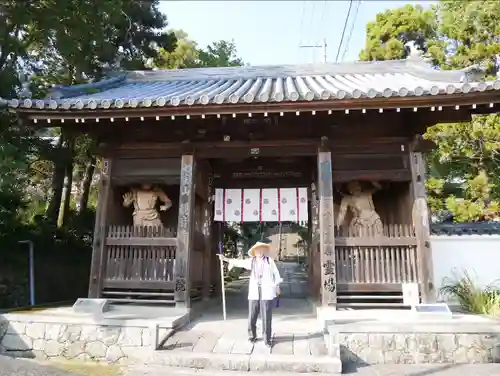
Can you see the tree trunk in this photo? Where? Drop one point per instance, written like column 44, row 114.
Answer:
column 53, row 208
column 86, row 185
column 66, row 195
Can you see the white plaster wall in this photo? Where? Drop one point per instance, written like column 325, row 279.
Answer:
column 479, row 255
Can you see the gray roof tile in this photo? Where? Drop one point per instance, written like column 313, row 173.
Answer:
column 313, row 82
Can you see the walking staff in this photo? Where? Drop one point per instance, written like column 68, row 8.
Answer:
column 263, row 288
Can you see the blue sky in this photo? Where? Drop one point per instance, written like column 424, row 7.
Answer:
column 269, row 32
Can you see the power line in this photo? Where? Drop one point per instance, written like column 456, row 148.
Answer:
column 302, row 19
column 323, row 45
column 343, row 31
column 358, row 3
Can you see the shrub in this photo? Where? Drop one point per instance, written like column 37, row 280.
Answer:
column 471, row 297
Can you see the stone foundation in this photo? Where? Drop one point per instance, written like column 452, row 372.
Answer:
column 416, row 344
column 100, row 343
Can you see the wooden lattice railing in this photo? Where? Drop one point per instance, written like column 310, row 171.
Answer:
column 370, row 258
column 139, row 258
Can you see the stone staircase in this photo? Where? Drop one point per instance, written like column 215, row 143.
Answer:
column 209, row 342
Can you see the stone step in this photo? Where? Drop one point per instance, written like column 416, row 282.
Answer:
column 176, row 371
column 247, row 363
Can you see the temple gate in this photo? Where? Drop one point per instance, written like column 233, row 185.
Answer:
column 350, row 133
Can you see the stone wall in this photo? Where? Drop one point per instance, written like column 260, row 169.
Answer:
column 411, row 347
column 100, row 343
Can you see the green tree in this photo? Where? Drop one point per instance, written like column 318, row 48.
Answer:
column 187, row 54
column 184, row 55
column 219, row 54
column 453, row 35
column 117, row 34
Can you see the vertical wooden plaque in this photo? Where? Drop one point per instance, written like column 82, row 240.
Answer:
column 326, row 228
column 184, row 232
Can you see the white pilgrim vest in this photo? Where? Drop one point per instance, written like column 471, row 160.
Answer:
column 268, row 282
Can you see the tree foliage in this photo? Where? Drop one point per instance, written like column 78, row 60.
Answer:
column 187, row 54
column 453, row 35
column 49, row 42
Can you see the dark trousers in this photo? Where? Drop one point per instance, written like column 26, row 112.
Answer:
column 265, row 307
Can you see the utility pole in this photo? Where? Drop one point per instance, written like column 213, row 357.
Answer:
column 323, row 46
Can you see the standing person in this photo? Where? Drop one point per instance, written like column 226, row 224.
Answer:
column 263, row 288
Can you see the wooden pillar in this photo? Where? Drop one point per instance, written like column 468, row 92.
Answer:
column 184, row 232
column 98, row 263
column 207, row 232
column 420, row 218
column 326, row 227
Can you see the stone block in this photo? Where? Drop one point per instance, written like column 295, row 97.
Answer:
column 130, row 337
column 53, row 348
column 105, row 334
column 233, row 362
column 114, row 353
column 35, row 330
column 74, row 349
column 149, row 338
column 20, row 342
column 224, row 345
column 96, row 349
column 37, row 354
column 139, row 353
column 16, row 328
column 94, row 306
column 70, row 333
column 206, row 343
column 52, row 331
column 39, row 344
column 3, row 328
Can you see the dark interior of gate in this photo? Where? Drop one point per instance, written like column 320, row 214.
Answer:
column 272, row 152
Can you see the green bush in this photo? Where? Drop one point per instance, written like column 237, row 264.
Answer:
column 472, row 298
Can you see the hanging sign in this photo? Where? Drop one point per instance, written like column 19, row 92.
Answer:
column 232, row 205
column 219, row 205
column 410, row 294
column 261, row 205
column 270, row 205
column 251, row 205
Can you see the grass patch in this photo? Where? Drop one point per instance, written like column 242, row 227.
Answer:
column 472, row 298
column 86, row 368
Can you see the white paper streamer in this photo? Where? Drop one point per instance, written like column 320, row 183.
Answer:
column 303, row 205
column 219, row 205
column 251, row 205
column 288, row 204
column 233, row 205
column 269, row 205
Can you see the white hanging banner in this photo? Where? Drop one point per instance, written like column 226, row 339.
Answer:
column 269, row 205
column 251, row 205
column 219, row 205
column 232, row 206
column 303, row 207
column 261, row 205
column 288, row 204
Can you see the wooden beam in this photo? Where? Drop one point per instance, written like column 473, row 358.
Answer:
column 185, row 232
column 371, row 175
column 98, row 263
column 326, row 227
column 420, row 218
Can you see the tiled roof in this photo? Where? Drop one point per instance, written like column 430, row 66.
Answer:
column 481, row 228
column 215, row 86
